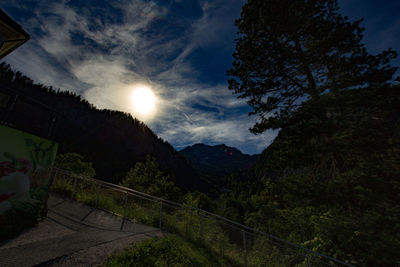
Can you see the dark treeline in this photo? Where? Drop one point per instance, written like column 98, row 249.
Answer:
column 114, row 141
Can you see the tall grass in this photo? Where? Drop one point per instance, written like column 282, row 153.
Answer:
column 171, row 250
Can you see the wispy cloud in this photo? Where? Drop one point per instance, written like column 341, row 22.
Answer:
column 100, row 56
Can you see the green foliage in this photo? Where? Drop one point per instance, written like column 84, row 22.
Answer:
column 289, row 51
column 331, row 177
column 352, row 223
column 62, row 186
column 75, row 163
column 183, row 221
column 219, row 243
column 357, row 126
column 148, row 178
column 199, row 200
column 235, row 202
column 166, row 251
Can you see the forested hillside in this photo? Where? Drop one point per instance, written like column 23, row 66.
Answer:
column 333, row 172
column 114, row 141
column 330, row 180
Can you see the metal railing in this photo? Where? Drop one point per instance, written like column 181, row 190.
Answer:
column 237, row 243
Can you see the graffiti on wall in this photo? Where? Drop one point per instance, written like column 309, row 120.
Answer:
column 23, row 160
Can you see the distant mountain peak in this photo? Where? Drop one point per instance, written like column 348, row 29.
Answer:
column 217, row 159
column 212, row 147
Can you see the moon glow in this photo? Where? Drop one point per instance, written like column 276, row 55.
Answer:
column 143, row 100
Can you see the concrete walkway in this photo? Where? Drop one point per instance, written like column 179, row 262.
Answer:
column 72, row 235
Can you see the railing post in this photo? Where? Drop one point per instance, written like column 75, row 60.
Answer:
column 201, row 229
column 223, row 247
column 160, row 215
column 123, row 217
column 245, row 248
column 55, row 175
column 97, row 195
column 74, row 188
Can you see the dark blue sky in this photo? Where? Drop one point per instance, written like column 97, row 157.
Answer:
column 179, row 48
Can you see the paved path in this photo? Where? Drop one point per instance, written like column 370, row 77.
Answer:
column 72, row 235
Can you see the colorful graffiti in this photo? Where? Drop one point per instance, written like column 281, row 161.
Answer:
column 24, row 158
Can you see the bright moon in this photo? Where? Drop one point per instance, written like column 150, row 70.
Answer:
column 143, row 100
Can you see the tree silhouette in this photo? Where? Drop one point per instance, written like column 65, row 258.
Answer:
column 289, row 51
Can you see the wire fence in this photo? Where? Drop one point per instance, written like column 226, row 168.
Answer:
column 238, row 244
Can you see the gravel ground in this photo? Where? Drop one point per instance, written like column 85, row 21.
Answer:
column 47, row 229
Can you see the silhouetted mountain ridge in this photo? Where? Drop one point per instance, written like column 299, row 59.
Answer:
column 114, row 141
column 219, row 160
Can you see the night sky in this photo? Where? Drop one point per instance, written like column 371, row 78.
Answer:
column 180, row 49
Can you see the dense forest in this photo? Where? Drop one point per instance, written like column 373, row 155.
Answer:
column 114, row 141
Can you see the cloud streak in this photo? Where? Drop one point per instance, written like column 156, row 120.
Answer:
column 181, row 49
column 100, row 54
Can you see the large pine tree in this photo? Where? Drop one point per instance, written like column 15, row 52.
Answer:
column 289, row 51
